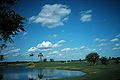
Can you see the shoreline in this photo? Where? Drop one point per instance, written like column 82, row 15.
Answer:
column 96, row 72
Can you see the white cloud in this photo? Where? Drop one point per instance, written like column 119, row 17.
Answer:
column 86, row 16
column 25, row 33
column 97, row 39
column 33, row 49
column 117, row 44
column 59, row 43
column 52, row 15
column 82, row 47
column 116, row 48
column 45, row 45
column 53, row 35
column 55, row 52
column 93, row 49
column 114, row 40
column 65, row 49
column 100, row 40
column 14, row 51
column 102, row 44
column 69, row 49
column 60, row 54
column 118, row 35
column 48, row 44
column 17, row 54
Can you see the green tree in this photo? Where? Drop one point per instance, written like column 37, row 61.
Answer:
column 104, row 60
column 41, row 56
column 11, row 23
column 93, row 57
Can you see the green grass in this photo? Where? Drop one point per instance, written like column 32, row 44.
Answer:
column 96, row 72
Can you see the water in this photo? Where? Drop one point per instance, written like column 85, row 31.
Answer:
column 23, row 73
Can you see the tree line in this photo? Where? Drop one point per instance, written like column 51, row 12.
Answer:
column 94, row 57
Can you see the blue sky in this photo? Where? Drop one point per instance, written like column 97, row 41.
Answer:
column 67, row 29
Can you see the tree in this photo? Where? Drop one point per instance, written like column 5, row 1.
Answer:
column 45, row 60
column 104, row 60
column 11, row 23
column 117, row 60
column 2, row 57
column 93, row 57
column 51, row 60
column 41, row 56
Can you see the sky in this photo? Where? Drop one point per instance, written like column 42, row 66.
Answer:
column 66, row 29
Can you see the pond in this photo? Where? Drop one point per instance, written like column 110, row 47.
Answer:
column 23, row 73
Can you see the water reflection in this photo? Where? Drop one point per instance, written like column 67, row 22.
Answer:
column 1, row 76
column 40, row 74
column 32, row 75
column 23, row 73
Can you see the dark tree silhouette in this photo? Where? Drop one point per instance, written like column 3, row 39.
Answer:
column 51, row 60
column 45, row 60
column 117, row 60
column 104, row 60
column 11, row 23
column 93, row 57
column 2, row 57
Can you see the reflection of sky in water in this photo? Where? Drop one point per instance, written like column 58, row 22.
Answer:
column 22, row 73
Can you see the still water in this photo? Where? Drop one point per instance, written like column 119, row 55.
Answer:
column 23, row 73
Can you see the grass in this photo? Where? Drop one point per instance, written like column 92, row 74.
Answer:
column 96, row 72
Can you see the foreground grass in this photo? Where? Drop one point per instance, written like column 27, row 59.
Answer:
column 97, row 72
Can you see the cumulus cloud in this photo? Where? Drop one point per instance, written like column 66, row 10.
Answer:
column 45, row 45
column 48, row 44
column 114, row 40
column 86, row 16
column 61, row 42
column 33, row 49
column 52, row 15
column 58, row 44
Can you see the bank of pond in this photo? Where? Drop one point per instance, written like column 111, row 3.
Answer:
column 25, row 73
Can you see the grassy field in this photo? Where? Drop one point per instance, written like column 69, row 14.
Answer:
column 96, row 72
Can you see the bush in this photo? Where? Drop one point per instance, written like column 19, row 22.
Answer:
column 117, row 61
column 104, row 60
